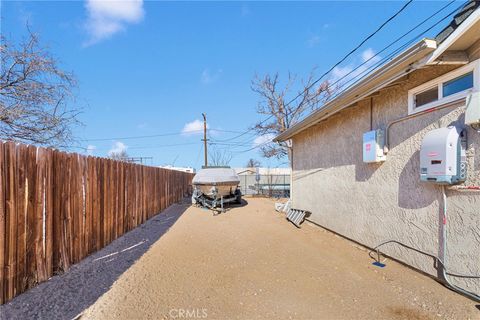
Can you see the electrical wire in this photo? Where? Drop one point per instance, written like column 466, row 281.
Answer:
column 436, row 258
column 392, row 54
column 351, row 52
column 252, row 148
column 158, row 135
column 338, row 90
column 198, row 155
column 334, row 66
column 163, row 145
column 147, row 147
column 382, row 61
column 444, row 253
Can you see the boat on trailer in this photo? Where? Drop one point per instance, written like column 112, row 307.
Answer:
column 214, row 187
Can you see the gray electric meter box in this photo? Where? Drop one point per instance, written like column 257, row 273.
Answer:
column 442, row 156
column 472, row 113
column 373, row 143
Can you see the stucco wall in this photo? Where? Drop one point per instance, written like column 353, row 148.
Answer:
column 372, row 203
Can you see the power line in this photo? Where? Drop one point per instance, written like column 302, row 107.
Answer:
column 252, row 148
column 163, row 146
column 335, row 65
column 382, row 61
column 351, row 52
column 198, row 155
column 147, row 147
column 158, row 135
column 392, row 54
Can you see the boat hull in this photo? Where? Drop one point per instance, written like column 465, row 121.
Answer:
column 216, row 182
column 216, row 191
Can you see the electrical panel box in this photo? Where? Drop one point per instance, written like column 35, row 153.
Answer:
column 443, row 157
column 472, row 113
column 373, row 143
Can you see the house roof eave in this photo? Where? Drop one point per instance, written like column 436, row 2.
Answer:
column 402, row 64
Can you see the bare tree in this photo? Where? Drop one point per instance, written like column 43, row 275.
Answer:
column 274, row 102
column 253, row 163
column 219, row 158
column 34, row 93
column 120, row 155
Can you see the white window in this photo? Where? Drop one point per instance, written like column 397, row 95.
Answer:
column 449, row 87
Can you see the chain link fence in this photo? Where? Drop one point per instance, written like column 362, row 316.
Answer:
column 270, row 185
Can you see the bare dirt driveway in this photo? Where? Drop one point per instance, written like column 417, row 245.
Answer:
column 249, row 263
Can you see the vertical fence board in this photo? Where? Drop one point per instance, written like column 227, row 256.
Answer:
column 31, row 223
column 21, row 217
column 49, row 201
column 64, row 213
column 2, row 222
column 11, row 223
column 56, row 208
column 39, row 213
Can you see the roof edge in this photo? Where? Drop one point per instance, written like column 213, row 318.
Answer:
column 473, row 18
column 402, row 64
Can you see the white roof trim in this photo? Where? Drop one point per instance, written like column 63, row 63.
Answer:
column 462, row 28
column 402, row 64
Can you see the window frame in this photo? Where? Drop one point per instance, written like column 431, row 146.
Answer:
column 438, row 82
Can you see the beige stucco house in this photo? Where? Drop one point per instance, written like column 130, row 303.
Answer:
column 420, row 89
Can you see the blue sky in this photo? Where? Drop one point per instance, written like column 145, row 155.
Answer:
column 149, row 68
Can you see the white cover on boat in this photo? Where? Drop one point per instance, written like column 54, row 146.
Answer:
column 216, row 176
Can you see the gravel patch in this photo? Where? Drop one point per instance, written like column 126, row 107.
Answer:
column 65, row 296
column 250, row 263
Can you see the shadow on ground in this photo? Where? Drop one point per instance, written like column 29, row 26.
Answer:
column 66, row 296
column 228, row 207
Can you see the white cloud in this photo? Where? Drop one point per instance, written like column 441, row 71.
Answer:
column 208, row 77
column 350, row 73
column 368, row 54
column 91, row 149
column 194, row 127
column 340, row 72
column 263, row 139
column 107, row 17
column 117, row 147
column 313, row 41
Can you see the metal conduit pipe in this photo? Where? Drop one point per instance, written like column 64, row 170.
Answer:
column 465, row 188
column 444, row 271
column 444, row 250
column 434, row 257
column 386, row 148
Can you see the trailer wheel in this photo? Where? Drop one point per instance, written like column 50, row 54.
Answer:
column 238, row 196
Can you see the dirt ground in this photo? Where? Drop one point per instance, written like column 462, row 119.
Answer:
column 250, row 263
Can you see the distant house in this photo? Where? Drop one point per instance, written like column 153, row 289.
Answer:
column 183, row 169
column 266, row 181
column 344, row 176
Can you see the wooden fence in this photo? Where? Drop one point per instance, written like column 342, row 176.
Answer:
column 56, row 208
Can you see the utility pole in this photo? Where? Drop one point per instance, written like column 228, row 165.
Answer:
column 205, row 138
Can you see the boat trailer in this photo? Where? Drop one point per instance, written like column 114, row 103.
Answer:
column 215, row 203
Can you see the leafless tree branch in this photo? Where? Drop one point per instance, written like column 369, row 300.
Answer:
column 253, row 163
column 120, row 156
column 34, row 93
column 274, row 102
column 219, row 158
